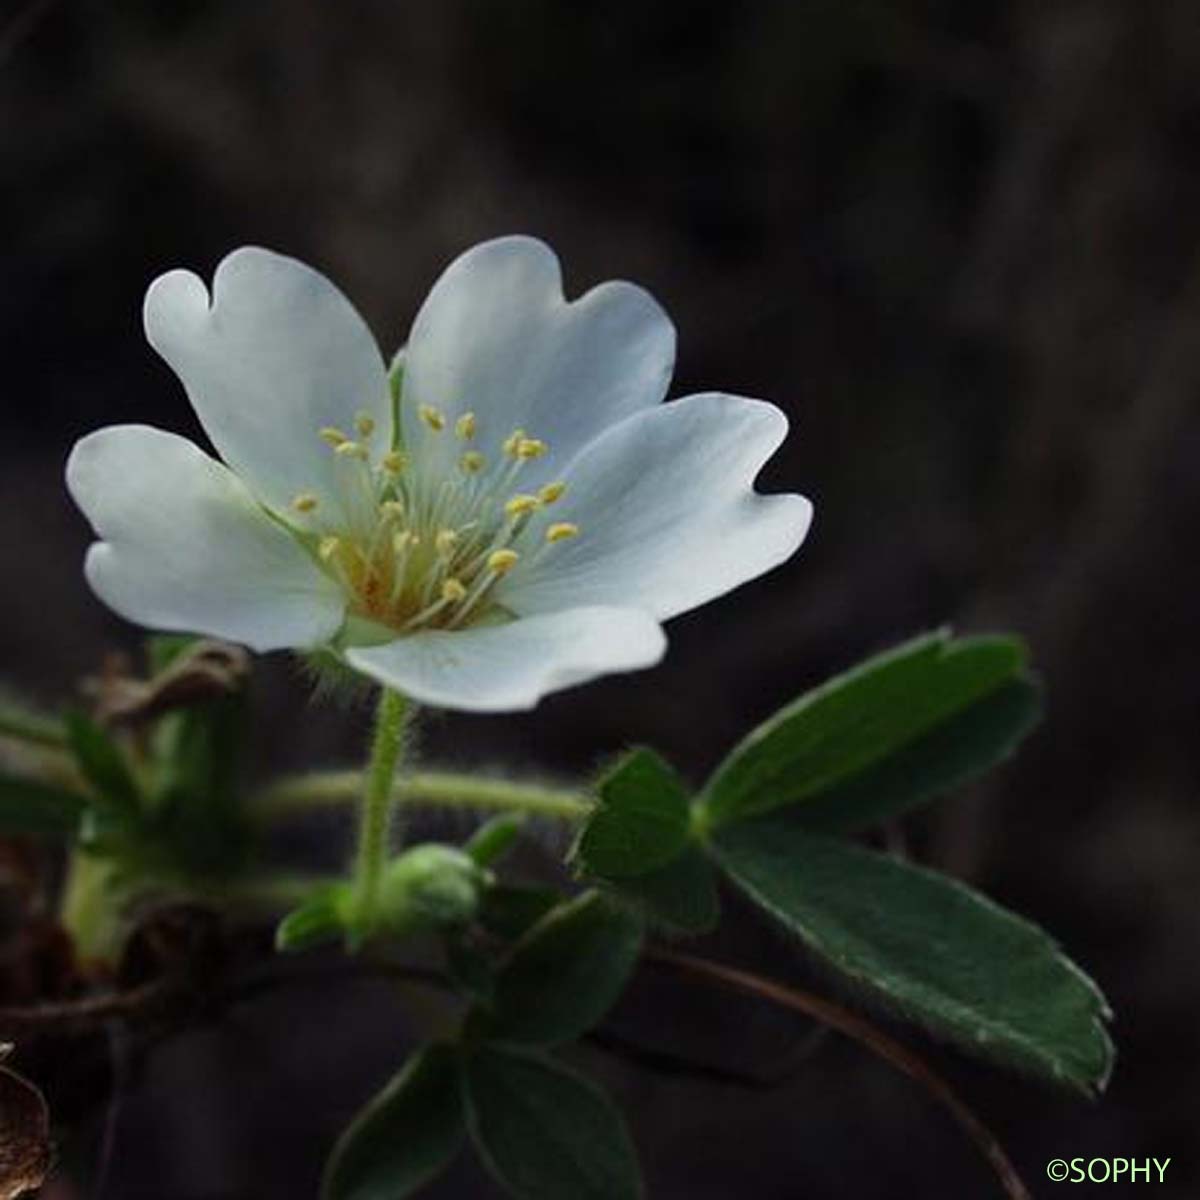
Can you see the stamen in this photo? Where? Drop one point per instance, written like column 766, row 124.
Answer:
column 420, row 550
column 521, row 504
column 432, row 417
column 561, row 531
column 502, row 561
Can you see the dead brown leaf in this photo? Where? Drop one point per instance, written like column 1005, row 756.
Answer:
column 24, row 1135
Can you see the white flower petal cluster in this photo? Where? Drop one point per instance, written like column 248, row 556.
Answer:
column 517, row 515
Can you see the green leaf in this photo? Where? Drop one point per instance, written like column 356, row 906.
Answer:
column 30, row 806
column 320, row 919
column 493, row 838
column 960, row 749
column 406, row 1135
column 883, row 708
column 104, row 767
column 681, row 897
column 507, row 910
column 545, row 1133
column 641, row 821
column 564, row 974
column 930, row 947
column 197, row 752
column 468, row 966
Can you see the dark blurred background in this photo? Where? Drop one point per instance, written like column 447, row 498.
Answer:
column 958, row 243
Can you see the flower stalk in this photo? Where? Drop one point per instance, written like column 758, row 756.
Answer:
column 424, row 789
column 375, row 815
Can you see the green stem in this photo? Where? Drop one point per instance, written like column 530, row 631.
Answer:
column 24, row 726
column 89, row 910
column 391, row 720
column 430, row 789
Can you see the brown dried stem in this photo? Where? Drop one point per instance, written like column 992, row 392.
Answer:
column 862, row 1031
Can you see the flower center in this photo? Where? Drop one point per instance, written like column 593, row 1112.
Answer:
column 417, row 550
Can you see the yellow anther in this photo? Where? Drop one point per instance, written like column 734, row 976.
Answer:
column 520, row 504
column 446, row 541
column 472, row 462
column 561, row 531
column 502, row 561
column 328, row 547
column 350, row 449
column 550, row 492
column 393, row 510
column 453, row 591
column 365, row 424
column 393, row 462
column 305, row 502
column 510, row 443
column 531, row 448
column 332, row 437
column 464, row 427
column 432, row 417
column 404, row 541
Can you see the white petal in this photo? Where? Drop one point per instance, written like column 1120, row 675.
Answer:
column 501, row 668
column 278, row 354
column 667, row 513
column 496, row 338
column 187, row 548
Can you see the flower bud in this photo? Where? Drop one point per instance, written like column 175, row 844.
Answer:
column 430, row 885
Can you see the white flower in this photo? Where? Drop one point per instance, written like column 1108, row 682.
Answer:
column 520, row 520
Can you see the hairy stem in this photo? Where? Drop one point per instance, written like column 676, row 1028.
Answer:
column 431, row 789
column 375, row 814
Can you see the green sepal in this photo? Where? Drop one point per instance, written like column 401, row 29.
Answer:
column 321, row 919
column 640, row 822
column 888, row 734
column 493, row 839
column 546, row 1133
column 563, row 975
column 928, row 947
column 406, row 1136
